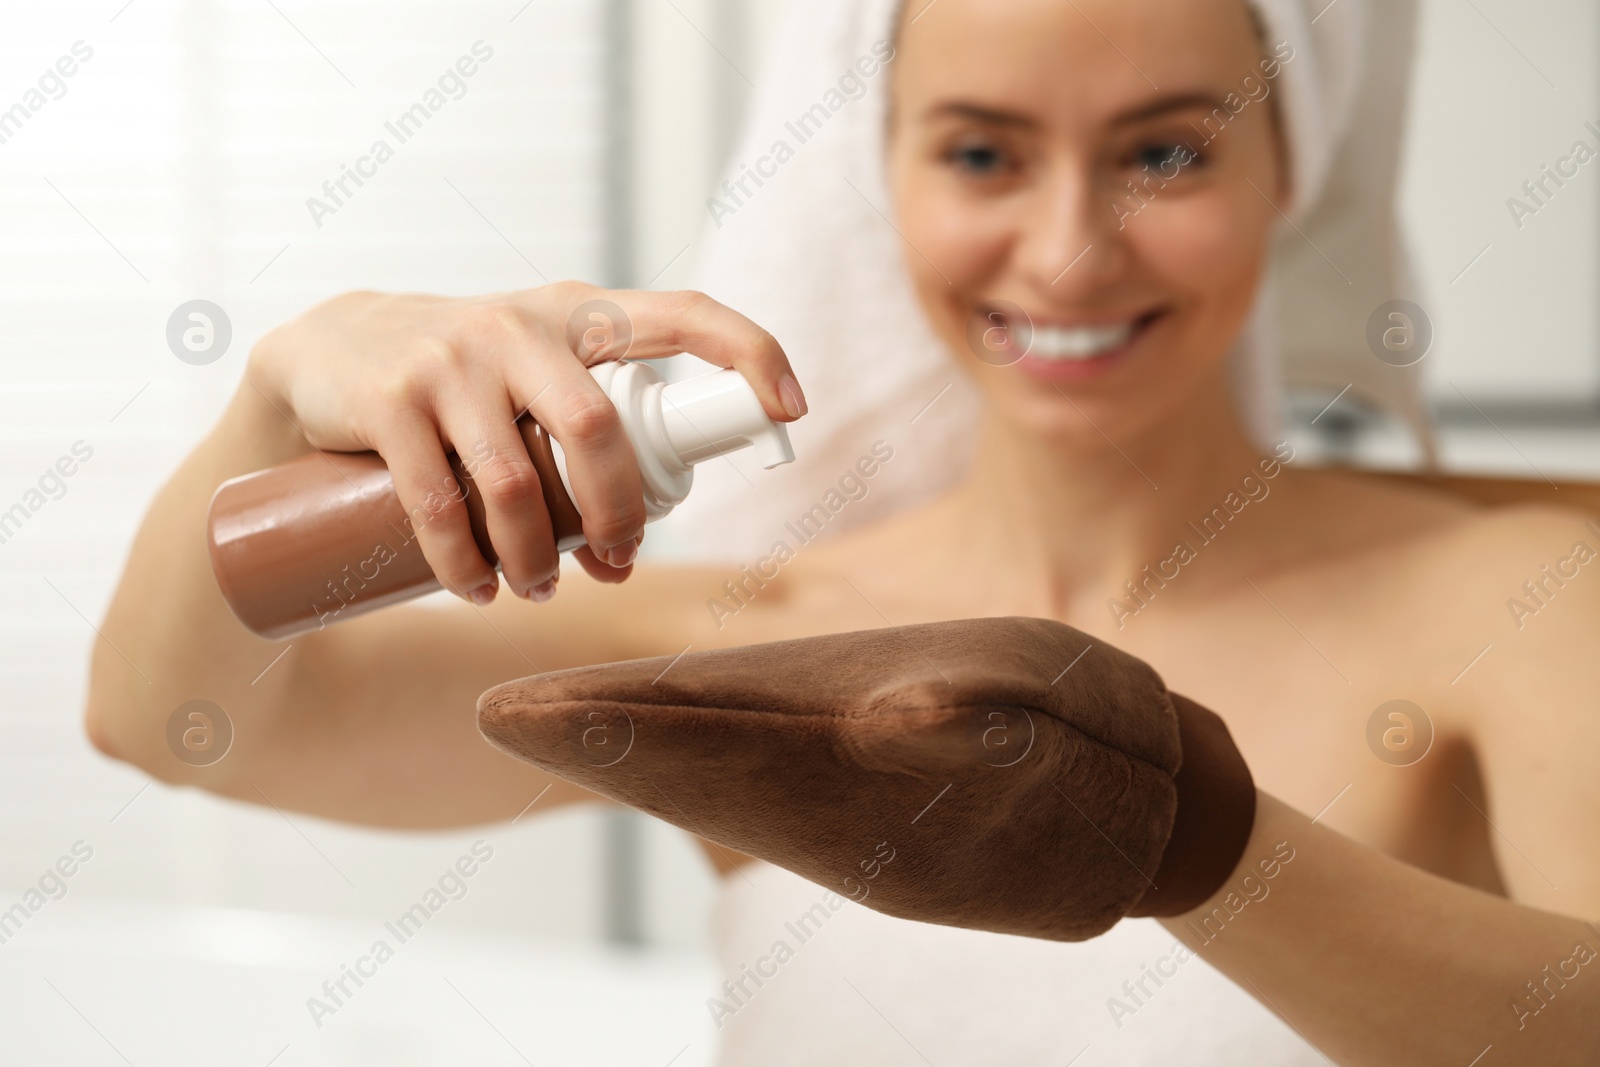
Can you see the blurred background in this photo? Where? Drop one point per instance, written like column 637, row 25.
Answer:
column 175, row 164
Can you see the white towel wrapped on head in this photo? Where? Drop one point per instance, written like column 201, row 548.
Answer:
column 802, row 241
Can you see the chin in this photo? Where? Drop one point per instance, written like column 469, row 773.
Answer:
column 1092, row 419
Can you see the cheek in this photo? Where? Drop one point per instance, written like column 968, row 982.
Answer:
column 1209, row 248
column 955, row 244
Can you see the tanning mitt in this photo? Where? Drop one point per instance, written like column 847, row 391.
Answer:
column 1005, row 774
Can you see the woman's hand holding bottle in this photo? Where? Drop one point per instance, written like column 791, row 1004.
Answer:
column 415, row 378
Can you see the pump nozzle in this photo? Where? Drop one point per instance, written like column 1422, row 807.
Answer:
column 719, row 413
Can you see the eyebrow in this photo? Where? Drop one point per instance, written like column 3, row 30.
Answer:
column 1142, row 113
column 1165, row 104
column 992, row 116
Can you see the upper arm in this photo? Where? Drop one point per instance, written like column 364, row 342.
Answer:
column 1534, row 707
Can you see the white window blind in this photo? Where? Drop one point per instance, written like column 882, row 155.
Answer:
column 175, row 163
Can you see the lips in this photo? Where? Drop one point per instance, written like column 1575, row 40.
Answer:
column 1060, row 350
column 1079, row 342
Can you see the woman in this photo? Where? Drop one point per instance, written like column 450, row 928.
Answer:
column 1407, row 929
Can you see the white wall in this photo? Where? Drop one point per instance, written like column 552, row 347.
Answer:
column 1505, row 87
column 177, row 165
column 698, row 60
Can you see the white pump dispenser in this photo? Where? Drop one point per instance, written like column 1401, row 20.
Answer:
column 673, row 427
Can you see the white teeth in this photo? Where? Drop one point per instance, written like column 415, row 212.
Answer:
column 1084, row 342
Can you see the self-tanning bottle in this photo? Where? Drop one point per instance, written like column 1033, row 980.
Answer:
column 324, row 537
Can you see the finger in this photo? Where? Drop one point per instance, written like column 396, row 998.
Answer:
column 492, row 453
column 435, row 504
column 598, row 569
column 601, row 464
column 659, row 325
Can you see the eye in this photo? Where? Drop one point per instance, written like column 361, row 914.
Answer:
column 1167, row 157
column 977, row 159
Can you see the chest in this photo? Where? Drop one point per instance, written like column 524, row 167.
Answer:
column 1308, row 698
column 1345, row 725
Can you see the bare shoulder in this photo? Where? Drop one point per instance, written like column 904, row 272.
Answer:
column 1375, row 504
column 1423, row 573
column 1435, row 528
column 1467, row 544
column 1537, row 567
column 1492, row 614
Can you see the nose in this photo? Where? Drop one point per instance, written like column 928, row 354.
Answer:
column 1070, row 241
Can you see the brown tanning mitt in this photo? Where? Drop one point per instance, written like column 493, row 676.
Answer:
column 998, row 774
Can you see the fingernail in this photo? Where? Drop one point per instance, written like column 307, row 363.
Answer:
column 484, row 593
column 620, row 555
column 793, row 400
column 543, row 591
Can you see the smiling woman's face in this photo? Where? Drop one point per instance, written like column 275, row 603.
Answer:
column 1078, row 164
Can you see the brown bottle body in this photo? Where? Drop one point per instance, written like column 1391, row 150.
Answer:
column 323, row 538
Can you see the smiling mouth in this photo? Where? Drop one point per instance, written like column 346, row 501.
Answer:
column 1070, row 344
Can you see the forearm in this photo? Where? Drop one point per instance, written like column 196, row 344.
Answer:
column 1377, row 962
column 370, row 721
column 168, row 636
